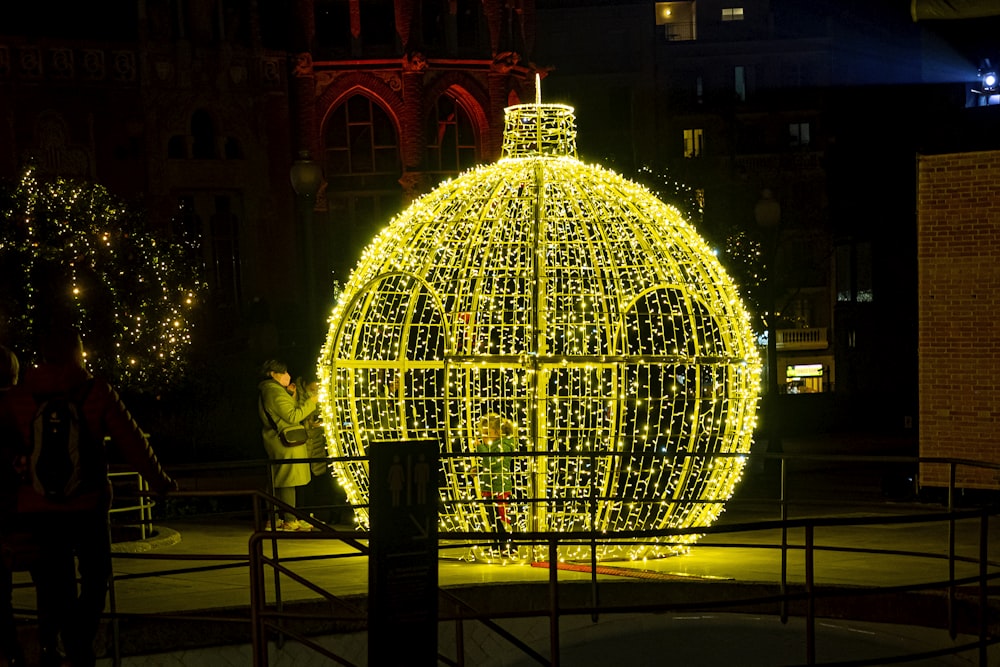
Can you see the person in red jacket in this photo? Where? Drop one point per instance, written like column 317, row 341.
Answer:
column 74, row 526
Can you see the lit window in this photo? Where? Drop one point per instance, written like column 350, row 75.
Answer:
column 677, row 19
column 694, row 142
column 798, row 134
column 863, row 253
column 741, row 83
column 804, row 379
column 732, row 13
column 854, row 273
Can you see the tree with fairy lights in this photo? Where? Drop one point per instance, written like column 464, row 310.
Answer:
column 740, row 249
column 667, row 188
column 73, row 253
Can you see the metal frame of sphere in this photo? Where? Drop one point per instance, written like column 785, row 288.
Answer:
column 574, row 305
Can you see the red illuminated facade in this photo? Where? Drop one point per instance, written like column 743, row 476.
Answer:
column 197, row 110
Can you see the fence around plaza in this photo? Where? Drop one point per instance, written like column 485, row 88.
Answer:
column 962, row 581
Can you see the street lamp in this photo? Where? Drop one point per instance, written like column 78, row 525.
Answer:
column 307, row 176
column 767, row 213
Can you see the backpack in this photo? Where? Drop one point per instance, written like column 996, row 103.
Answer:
column 59, row 440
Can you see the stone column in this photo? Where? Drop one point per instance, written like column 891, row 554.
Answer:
column 305, row 131
column 412, row 141
column 494, row 20
column 303, row 89
column 499, row 78
column 355, row 8
column 404, row 21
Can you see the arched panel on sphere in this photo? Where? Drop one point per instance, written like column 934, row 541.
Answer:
column 389, row 345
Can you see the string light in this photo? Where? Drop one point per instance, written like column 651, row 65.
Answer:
column 80, row 254
column 571, row 301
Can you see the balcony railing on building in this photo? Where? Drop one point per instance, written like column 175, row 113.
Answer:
column 813, row 338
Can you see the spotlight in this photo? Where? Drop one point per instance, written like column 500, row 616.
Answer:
column 988, row 77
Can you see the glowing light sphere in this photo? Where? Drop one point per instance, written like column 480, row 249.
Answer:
column 570, row 301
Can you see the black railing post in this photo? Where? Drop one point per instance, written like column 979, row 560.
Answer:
column 984, row 608
column 810, row 600
column 952, row 626
column 258, row 635
column 554, row 601
column 594, row 597
column 783, row 507
column 280, row 639
column 115, row 624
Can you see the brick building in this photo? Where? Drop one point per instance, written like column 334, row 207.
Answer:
column 958, row 241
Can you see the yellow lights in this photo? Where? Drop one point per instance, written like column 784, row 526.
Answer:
column 81, row 249
column 571, row 302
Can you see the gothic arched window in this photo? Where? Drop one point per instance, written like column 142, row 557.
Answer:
column 361, row 139
column 451, row 137
column 362, row 167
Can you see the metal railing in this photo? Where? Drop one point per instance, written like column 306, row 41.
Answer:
column 271, row 617
column 139, row 502
column 813, row 338
column 804, row 597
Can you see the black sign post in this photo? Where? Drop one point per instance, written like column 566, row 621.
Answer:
column 403, row 565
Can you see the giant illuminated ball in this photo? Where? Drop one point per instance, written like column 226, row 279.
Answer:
column 571, row 302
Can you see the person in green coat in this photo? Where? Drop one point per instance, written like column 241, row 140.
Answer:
column 279, row 408
column 497, row 436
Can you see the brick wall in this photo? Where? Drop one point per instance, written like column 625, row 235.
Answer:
column 958, row 247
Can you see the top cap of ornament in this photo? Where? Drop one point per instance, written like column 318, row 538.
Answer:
column 532, row 130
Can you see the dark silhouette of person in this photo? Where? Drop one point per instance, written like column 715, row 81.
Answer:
column 322, row 493
column 74, row 529
column 10, row 646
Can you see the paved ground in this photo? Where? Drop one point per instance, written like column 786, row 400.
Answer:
column 715, row 567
